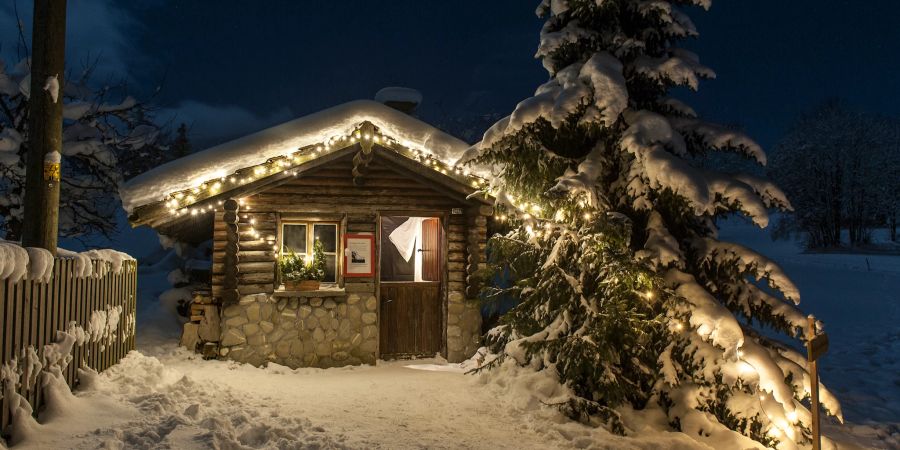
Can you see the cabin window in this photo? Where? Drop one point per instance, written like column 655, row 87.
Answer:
column 298, row 237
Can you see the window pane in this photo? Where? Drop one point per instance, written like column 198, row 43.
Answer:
column 294, row 239
column 330, row 269
column 327, row 234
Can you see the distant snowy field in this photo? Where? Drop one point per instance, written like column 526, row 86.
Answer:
column 164, row 397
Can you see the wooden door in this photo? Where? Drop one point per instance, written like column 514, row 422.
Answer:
column 411, row 321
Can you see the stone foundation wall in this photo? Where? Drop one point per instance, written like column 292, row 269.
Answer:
column 463, row 327
column 327, row 331
column 301, row 331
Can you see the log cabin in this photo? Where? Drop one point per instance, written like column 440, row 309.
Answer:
column 402, row 227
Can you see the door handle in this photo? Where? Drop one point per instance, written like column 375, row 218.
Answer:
column 387, row 300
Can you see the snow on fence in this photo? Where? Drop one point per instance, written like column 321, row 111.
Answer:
column 88, row 302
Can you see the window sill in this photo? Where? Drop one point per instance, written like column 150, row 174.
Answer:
column 324, row 291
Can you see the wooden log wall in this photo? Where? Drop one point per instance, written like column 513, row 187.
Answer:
column 252, row 238
column 32, row 312
column 330, row 191
column 476, row 246
column 456, row 253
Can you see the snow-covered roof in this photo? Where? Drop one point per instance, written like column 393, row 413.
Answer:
column 223, row 160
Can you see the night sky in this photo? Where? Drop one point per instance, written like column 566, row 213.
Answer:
column 231, row 67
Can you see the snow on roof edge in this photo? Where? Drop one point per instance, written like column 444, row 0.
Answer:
column 224, row 159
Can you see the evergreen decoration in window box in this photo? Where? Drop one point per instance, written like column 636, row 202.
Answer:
column 301, row 275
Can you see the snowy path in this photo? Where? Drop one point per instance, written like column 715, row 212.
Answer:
column 178, row 401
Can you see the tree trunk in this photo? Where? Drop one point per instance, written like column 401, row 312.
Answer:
column 893, row 223
column 45, row 125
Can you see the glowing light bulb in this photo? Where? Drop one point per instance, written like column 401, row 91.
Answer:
column 792, row 416
column 587, row 216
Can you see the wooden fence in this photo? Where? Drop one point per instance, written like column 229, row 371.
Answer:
column 32, row 312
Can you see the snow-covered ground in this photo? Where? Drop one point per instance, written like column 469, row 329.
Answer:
column 164, row 397
column 175, row 400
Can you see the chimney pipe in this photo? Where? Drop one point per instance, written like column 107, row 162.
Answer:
column 402, row 99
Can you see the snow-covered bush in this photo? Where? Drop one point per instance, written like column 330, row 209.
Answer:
column 624, row 289
column 106, row 133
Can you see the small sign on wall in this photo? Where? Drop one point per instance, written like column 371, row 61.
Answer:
column 359, row 255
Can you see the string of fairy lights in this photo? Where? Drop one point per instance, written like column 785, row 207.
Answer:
column 185, row 202
column 190, row 201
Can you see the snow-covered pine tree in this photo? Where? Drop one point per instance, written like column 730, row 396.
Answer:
column 624, row 290
column 106, row 133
